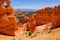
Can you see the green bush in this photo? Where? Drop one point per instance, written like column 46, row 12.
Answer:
column 20, row 18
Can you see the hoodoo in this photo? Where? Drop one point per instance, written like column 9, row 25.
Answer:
column 8, row 21
column 48, row 16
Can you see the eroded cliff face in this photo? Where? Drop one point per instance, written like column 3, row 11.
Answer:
column 44, row 16
column 57, row 15
column 8, row 21
column 49, row 15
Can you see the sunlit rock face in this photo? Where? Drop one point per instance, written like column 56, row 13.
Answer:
column 12, row 19
column 31, row 24
column 8, row 21
column 43, row 28
column 2, row 10
column 46, row 15
column 4, row 21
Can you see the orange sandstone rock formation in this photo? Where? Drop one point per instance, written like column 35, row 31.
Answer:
column 49, row 15
column 44, row 16
column 8, row 21
column 2, row 10
column 9, row 10
column 1, row 2
column 8, row 2
column 31, row 24
column 25, row 19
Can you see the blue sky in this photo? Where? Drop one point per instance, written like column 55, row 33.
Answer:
column 33, row 4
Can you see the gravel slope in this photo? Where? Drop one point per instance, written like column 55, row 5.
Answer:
column 54, row 35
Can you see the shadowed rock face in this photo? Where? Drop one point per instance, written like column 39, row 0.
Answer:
column 25, row 19
column 8, row 21
column 8, row 2
column 9, row 10
column 1, row 2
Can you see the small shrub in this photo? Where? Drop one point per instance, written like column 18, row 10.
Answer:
column 13, row 39
column 20, row 18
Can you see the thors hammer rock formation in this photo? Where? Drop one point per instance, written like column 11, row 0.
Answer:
column 8, row 21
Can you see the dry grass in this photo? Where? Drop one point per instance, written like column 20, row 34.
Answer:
column 53, row 35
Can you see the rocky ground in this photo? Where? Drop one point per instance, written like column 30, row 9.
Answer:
column 53, row 35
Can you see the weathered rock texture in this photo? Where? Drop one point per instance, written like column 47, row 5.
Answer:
column 25, row 19
column 44, row 16
column 49, row 15
column 32, row 23
column 8, row 21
